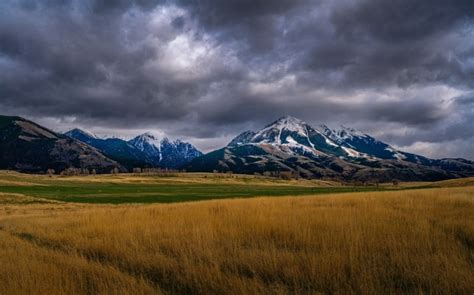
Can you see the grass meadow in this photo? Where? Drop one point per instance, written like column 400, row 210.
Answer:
column 404, row 241
column 166, row 188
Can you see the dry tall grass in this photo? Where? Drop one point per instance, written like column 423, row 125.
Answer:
column 413, row 242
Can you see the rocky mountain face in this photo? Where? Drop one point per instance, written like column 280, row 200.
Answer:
column 146, row 150
column 114, row 148
column 290, row 144
column 28, row 147
column 163, row 152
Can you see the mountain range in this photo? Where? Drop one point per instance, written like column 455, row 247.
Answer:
column 114, row 148
column 146, row 150
column 286, row 145
column 163, row 152
column 289, row 144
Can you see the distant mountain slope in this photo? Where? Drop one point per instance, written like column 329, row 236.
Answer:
column 28, row 147
column 287, row 144
column 164, row 152
column 142, row 151
column 290, row 144
column 114, row 148
column 365, row 144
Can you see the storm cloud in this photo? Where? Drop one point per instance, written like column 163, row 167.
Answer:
column 206, row 70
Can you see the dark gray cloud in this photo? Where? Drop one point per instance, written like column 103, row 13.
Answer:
column 401, row 21
column 205, row 70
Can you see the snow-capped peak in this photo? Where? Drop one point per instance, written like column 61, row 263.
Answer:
column 163, row 151
column 296, row 136
column 290, row 123
column 148, row 138
column 289, row 135
column 273, row 132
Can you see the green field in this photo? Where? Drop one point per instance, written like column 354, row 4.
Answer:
column 111, row 189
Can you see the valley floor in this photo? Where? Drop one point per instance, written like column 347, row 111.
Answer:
column 162, row 187
column 385, row 242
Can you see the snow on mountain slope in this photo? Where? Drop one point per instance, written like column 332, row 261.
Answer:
column 150, row 144
column 292, row 145
column 293, row 136
column 243, row 138
column 362, row 143
column 148, row 149
column 274, row 132
column 115, row 148
column 163, row 152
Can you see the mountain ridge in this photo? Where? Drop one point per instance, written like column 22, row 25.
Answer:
column 28, row 147
column 115, row 148
column 290, row 144
column 145, row 150
column 165, row 152
column 285, row 145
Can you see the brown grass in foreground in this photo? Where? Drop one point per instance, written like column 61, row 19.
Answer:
column 413, row 242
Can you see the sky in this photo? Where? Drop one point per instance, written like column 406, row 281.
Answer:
column 206, row 70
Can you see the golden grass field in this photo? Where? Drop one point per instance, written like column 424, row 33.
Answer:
column 393, row 242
